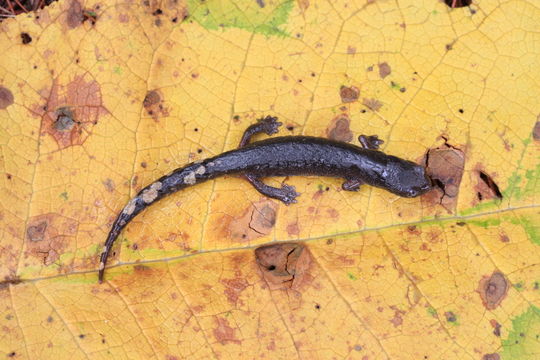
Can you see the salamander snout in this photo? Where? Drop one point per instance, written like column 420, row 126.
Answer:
column 407, row 179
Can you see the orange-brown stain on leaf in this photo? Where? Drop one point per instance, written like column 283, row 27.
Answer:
column 71, row 111
column 256, row 220
column 445, row 167
column 493, row 290
column 236, row 285
column 48, row 235
column 74, row 14
column 293, row 229
column 224, row 333
column 284, row 265
column 6, row 97
column 339, row 129
column 349, row 94
column 372, row 104
column 153, row 104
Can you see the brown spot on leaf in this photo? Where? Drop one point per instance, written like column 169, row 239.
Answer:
column 153, row 104
column 293, row 229
column 496, row 327
column 397, row 320
column 450, row 316
column 492, row 290
column 284, row 265
column 349, row 94
column 109, row 185
column 493, row 356
column 535, row 133
column 384, row 70
column 486, row 188
column 458, row 4
column 48, row 235
column 372, row 104
column 6, row 97
column 74, row 14
column 26, row 38
column 255, row 221
column 351, row 50
column 71, row 125
column 445, row 167
column 224, row 333
column 233, row 289
column 339, row 129
column 504, row 238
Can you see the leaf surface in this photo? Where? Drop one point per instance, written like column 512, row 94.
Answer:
column 107, row 97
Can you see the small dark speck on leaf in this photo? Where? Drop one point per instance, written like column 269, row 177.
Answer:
column 26, row 38
column 272, row 267
column 82, row 336
column 460, row 223
column 196, row 129
column 199, row 151
column 12, row 354
column 157, row 12
column 461, row 111
column 450, row 316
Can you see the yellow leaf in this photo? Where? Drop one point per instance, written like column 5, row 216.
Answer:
column 98, row 100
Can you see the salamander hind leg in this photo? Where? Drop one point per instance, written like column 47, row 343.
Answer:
column 371, row 142
column 351, row 185
column 286, row 193
column 268, row 125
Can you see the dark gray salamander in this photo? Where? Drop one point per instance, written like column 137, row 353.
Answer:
column 284, row 156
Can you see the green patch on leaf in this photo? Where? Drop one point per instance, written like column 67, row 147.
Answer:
column 519, row 188
column 531, row 228
column 64, row 195
column 432, row 311
column 519, row 286
column 351, row 276
column 260, row 16
column 523, row 341
column 485, row 223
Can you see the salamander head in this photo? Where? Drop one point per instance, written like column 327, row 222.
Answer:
column 405, row 178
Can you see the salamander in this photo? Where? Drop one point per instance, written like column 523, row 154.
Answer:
column 284, row 156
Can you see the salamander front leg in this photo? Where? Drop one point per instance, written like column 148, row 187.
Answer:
column 268, row 125
column 371, row 142
column 286, row 193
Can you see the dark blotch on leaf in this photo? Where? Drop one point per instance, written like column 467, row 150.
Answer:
column 491, row 184
column 457, row 3
column 64, row 119
column 536, row 130
column 26, row 38
column 349, row 94
column 151, row 98
column 6, row 97
column 450, row 316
